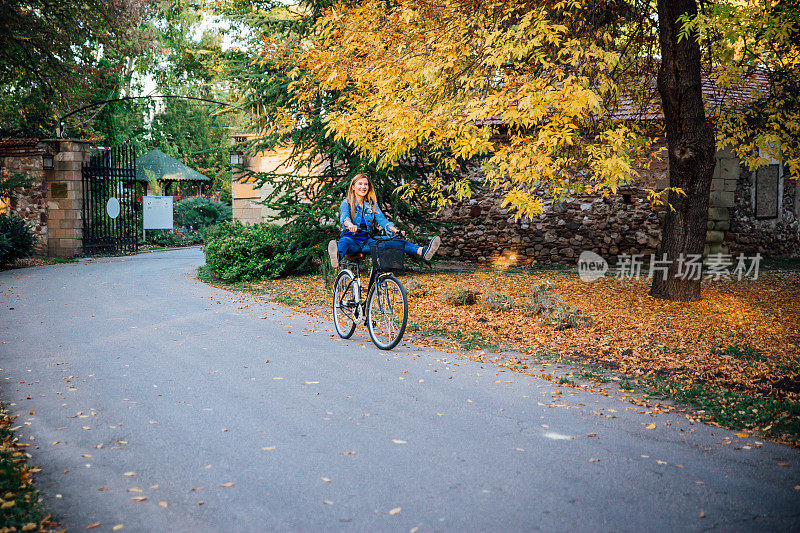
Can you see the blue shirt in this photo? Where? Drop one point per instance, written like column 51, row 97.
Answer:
column 366, row 216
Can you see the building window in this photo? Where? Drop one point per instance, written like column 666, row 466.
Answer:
column 767, row 194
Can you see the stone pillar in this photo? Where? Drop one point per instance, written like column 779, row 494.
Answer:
column 721, row 200
column 65, row 199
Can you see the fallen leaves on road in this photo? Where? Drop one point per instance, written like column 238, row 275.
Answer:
column 743, row 336
column 631, row 331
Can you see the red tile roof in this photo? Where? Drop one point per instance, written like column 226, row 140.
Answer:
column 646, row 105
column 717, row 99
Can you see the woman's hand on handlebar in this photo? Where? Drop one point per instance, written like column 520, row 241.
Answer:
column 393, row 229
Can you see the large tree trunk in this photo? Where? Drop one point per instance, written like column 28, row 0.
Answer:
column 691, row 150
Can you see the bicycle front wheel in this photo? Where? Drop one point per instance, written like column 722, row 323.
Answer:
column 344, row 304
column 387, row 312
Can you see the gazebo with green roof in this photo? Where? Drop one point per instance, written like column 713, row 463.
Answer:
column 157, row 165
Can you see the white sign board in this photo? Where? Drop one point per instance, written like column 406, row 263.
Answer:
column 112, row 207
column 157, row 212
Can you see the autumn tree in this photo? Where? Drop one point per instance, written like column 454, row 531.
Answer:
column 547, row 74
column 755, row 44
column 738, row 42
column 690, row 150
column 308, row 188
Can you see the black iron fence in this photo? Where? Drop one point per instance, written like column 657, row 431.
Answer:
column 112, row 215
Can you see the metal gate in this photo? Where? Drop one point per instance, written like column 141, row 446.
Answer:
column 112, row 217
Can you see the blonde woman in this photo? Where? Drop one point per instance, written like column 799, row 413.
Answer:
column 358, row 215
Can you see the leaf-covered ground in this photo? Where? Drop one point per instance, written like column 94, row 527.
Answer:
column 740, row 343
column 20, row 509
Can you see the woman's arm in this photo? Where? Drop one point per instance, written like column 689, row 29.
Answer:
column 344, row 217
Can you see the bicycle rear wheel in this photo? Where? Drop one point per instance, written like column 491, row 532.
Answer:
column 344, row 304
column 387, row 312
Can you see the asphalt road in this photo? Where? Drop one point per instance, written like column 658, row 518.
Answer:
column 154, row 401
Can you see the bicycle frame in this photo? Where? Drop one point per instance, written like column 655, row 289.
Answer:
column 359, row 312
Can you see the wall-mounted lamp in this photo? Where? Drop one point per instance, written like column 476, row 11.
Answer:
column 47, row 161
column 237, row 158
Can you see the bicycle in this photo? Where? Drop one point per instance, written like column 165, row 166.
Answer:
column 385, row 310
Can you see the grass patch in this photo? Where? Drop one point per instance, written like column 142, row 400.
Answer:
column 19, row 501
column 775, row 418
column 466, row 341
column 593, row 373
column 740, row 351
column 285, row 299
column 625, row 385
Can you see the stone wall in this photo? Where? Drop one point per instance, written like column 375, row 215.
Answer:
column 30, row 205
column 772, row 236
column 480, row 230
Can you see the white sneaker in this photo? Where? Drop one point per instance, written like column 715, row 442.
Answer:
column 333, row 252
column 431, row 248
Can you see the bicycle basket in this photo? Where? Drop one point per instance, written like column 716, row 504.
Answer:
column 385, row 257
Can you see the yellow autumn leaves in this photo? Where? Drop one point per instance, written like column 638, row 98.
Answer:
column 448, row 76
column 754, row 49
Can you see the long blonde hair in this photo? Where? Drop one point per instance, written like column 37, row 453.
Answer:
column 351, row 196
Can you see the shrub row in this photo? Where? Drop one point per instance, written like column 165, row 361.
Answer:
column 235, row 252
column 198, row 213
column 191, row 216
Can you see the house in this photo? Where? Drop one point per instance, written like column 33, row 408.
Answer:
column 246, row 193
column 750, row 212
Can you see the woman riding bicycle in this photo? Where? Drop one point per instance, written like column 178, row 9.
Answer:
column 358, row 213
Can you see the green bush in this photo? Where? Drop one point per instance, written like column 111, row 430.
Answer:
column 176, row 237
column 198, row 213
column 16, row 239
column 235, row 252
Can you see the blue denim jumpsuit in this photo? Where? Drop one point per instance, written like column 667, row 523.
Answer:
column 366, row 216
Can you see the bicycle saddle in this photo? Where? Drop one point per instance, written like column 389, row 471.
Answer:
column 359, row 256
